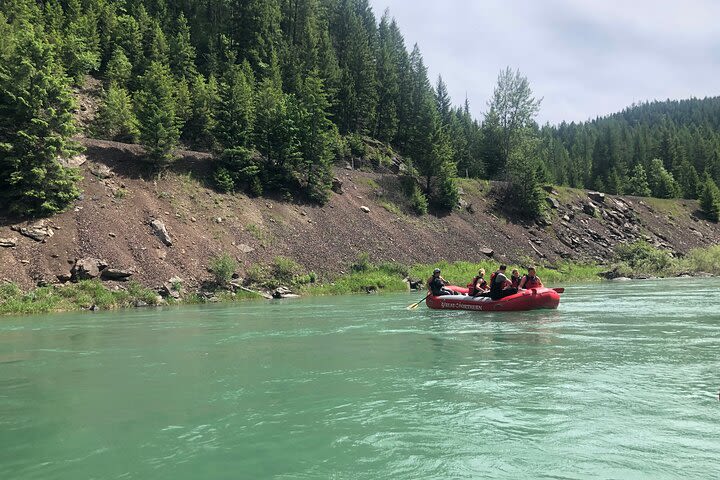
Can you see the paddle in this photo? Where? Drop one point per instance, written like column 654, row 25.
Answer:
column 559, row 289
column 414, row 305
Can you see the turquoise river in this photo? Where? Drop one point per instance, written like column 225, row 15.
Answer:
column 620, row 382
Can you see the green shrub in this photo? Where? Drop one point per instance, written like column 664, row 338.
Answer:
column 222, row 267
column 284, row 270
column 362, row 264
column 418, row 201
column 643, row 258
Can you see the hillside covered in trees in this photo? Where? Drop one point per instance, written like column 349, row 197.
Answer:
column 280, row 90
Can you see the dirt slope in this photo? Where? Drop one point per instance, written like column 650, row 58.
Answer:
column 111, row 222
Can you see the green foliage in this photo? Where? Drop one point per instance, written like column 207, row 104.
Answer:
column 155, row 106
column 115, row 118
column 512, row 110
column 239, row 168
column 418, row 200
column 119, row 68
column 662, row 184
column 710, row 199
column 641, row 257
column 284, row 270
column 638, row 184
column 223, row 267
column 36, row 126
column 525, row 193
column 236, row 113
column 68, row 297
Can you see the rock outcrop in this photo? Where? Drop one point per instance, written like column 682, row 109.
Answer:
column 38, row 231
column 161, row 232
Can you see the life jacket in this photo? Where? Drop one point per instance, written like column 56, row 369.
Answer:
column 472, row 286
column 495, row 287
column 532, row 282
column 515, row 281
column 436, row 286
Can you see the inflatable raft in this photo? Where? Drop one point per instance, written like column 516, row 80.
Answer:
column 532, row 299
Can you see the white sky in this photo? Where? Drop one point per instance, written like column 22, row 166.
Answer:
column 586, row 58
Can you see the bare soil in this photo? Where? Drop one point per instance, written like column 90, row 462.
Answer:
column 111, row 222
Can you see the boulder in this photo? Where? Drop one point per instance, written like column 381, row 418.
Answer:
column 597, row 196
column 38, row 231
column 8, row 242
column 590, row 209
column 161, row 232
column 101, row 170
column 364, row 209
column 64, row 277
column 552, row 202
column 337, row 186
column 73, row 162
column 115, row 274
column 171, row 288
column 283, row 292
column 489, row 252
column 245, row 248
column 87, row 269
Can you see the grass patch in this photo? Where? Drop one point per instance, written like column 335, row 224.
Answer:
column 369, row 182
column 668, row 206
column 74, row 296
column 391, row 207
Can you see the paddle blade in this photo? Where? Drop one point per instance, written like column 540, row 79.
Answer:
column 413, row 306
column 559, row 289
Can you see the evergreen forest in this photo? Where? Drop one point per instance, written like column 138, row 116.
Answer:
column 281, row 90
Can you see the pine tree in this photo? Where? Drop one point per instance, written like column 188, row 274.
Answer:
column 710, row 199
column 688, row 180
column 236, row 113
column 638, row 184
column 662, row 184
column 155, row 107
column 182, row 51
column 115, row 118
column 275, row 136
column 525, row 194
column 315, row 137
column 199, row 128
column 36, row 125
column 443, row 101
column 388, row 84
column 119, row 68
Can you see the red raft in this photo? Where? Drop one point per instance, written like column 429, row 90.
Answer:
column 532, row 299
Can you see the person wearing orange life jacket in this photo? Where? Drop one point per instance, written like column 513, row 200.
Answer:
column 531, row 280
column 478, row 285
column 515, row 278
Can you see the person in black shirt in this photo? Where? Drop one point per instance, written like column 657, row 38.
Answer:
column 436, row 284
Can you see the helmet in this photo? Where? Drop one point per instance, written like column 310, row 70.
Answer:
column 437, row 270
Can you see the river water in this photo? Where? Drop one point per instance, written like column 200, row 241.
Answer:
column 621, row 382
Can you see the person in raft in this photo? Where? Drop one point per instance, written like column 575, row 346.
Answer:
column 436, row 284
column 531, row 280
column 500, row 286
column 515, row 278
column 478, row 285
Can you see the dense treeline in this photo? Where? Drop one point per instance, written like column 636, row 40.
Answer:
column 279, row 90
column 664, row 149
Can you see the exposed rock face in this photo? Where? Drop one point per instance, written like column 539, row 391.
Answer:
column 38, row 231
column 171, row 288
column 597, row 197
column 73, row 162
column 161, row 232
column 283, row 292
column 337, row 185
column 101, row 170
column 553, row 203
column 487, row 251
column 590, row 209
column 87, row 269
column 245, row 248
column 115, row 274
column 8, row 242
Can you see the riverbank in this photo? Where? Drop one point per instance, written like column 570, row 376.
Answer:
column 638, row 260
